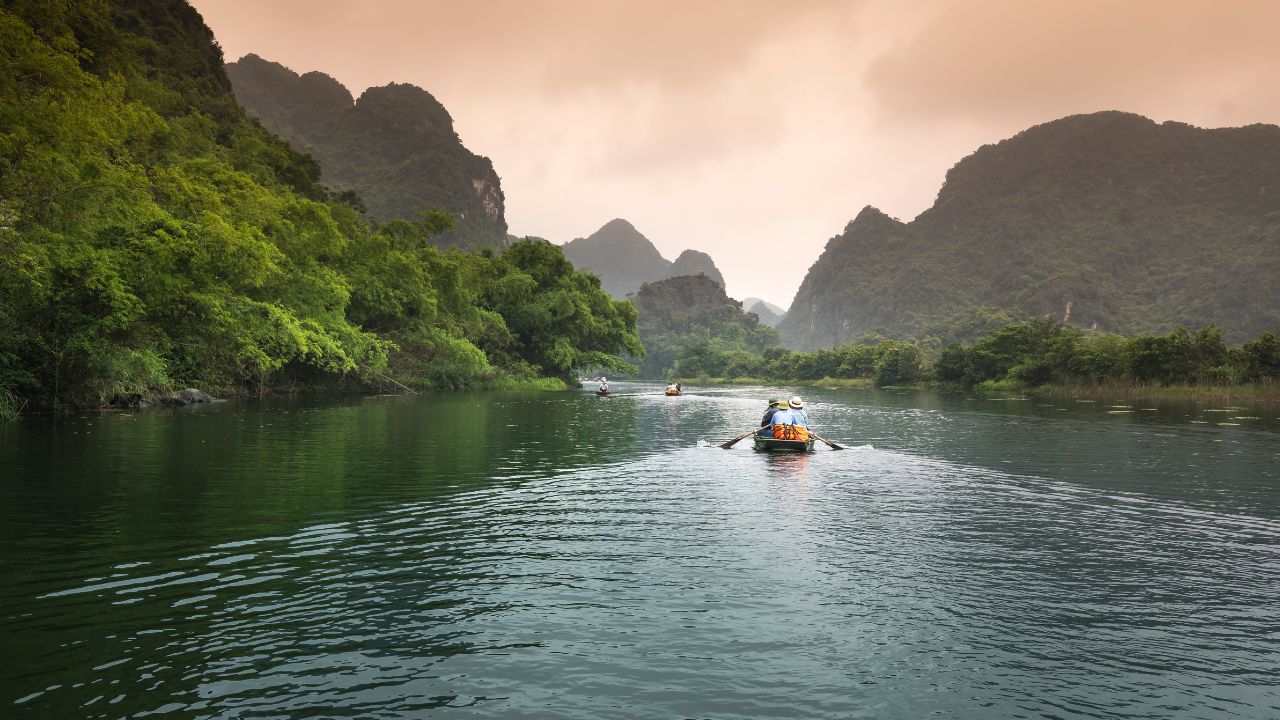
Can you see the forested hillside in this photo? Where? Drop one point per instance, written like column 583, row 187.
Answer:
column 624, row 259
column 686, row 319
column 153, row 236
column 395, row 147
column 1109, row 220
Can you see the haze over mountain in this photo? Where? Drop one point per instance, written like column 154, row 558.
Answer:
column 750, row 302
column 768, row 313
column 395, row 147
column 678, row 116
column 1107, row 219
column 624, row 259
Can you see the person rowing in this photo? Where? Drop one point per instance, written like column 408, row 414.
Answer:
column 766, row 423
column 784, row 420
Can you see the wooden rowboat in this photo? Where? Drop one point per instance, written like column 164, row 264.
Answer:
column 770, row 444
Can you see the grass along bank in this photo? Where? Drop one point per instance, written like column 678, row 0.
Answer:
column 1261, row 392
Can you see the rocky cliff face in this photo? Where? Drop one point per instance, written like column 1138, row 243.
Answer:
column 624, row 259
column 395, row 147
column 1108, row 220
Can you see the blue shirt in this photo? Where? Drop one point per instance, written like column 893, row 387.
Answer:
column 791, row 416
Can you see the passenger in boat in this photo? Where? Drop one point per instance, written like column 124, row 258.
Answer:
column 792, row 413
column 604, row 385
column 766, row 423
column 791, row 423
column 672, row 387
column 679, row 388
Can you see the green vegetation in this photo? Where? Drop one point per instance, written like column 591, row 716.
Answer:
column 394, row 151
column 1044, row 352
column 879, row 361
column 1023, row 355
column 1109, row 219
column 152, row 236
column 690, row 328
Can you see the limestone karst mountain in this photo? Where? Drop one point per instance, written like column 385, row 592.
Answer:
column 768, row 313
column 624, row 259
column 395, row 147
column 1109, row 220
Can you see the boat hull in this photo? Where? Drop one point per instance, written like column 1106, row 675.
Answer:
column 769, row 444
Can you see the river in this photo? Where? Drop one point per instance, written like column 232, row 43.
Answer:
column 558, row 555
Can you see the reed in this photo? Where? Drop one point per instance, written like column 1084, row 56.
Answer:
column 546, row 384
column 10, row 405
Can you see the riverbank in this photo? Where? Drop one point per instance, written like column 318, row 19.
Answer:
column 1251, row 392
column 826, row 382
column 1244, row 392
column 13, row 407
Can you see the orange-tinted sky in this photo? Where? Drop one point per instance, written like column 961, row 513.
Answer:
column 755, row 130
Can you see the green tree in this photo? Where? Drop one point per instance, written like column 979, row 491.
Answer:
column 558, row 317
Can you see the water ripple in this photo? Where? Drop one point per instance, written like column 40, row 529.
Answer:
column 872, row 583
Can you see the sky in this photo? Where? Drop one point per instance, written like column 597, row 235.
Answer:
column 754, row 130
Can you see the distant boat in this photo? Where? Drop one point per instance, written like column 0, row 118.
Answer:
column 602, row 392
column 673, row 391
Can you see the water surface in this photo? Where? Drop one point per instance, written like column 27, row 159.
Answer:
column 561, row 555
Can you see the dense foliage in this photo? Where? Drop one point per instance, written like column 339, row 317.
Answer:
column 1109, row 219
column 624, row 259
column 395, row 148
column 152, row 236
column 1048, row 352
column 688, row 326
column 1024, row 354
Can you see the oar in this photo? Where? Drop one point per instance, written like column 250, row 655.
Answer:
column 729, row 444
column 833, row 445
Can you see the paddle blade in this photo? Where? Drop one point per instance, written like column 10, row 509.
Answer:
column 830, row 444
column 732, row 442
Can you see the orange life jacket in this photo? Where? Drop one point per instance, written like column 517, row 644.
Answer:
column 790, row 432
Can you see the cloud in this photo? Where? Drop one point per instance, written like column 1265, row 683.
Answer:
column 1013, row 61
column 755, row 129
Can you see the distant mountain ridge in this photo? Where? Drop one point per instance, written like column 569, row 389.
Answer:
column 750, row 302
column 395, row 147
column 624, row 259
column 768, row 313
column 1108, row 220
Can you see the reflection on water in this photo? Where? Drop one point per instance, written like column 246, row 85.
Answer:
column 560, row 555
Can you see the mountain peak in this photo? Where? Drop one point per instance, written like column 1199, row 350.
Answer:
column 395, row 147
column 871, row 217
column 1111, row 219
column 624, row 259
column 618, row 225
column 696, row 262
column 768, row 313
column 410, row 104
